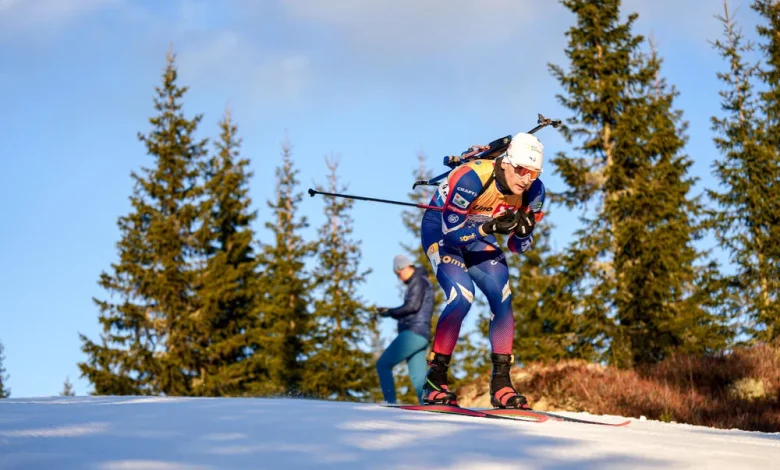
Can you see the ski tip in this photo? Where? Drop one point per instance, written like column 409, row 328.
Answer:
column 518, row 414
column 570, row 419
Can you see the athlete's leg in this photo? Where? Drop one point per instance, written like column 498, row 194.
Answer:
column 451, row 274
column 488, row 268
column 450, row 269
column 459, row 291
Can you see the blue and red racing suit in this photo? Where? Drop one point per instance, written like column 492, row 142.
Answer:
column 460, row 256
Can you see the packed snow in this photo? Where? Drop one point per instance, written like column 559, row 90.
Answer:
column 152, row 433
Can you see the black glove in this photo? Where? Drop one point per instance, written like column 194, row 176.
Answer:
column 380, row 311
column 525, row 224
column 504, row 224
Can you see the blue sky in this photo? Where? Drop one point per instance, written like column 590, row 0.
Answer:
column 373, row 82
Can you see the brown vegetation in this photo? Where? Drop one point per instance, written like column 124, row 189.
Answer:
column 736, row 390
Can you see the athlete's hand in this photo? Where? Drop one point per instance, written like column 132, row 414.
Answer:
column 503, row 224
column 525, row 224
column 380, row 311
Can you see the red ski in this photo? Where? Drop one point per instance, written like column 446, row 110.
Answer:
column 556, row 417
column 507, row 413
column 552, row 416
column 519, row 415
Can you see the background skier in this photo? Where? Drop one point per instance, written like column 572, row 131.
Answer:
column 414, row 329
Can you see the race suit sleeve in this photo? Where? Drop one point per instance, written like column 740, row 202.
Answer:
column 533, row 201
column 465, row 186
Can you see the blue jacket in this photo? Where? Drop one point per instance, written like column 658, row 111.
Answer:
column 415, row 314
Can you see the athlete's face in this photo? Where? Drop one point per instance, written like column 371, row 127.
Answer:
column 518, row 179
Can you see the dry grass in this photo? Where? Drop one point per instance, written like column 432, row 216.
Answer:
column 739, row 390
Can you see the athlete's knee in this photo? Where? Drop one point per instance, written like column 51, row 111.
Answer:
column 502, row 315
column 506, row 295
column 460, row 298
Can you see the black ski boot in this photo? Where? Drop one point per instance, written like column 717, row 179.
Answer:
column 502, row 393
column 435, row 390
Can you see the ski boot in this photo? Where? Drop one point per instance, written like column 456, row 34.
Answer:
column 502, row 393
column 435, row 390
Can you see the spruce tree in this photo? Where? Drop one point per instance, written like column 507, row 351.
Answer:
column 630, row 277
column 748, row 217
column 229, row 287
column 146, row 344
column 67, row 389
column 736, row 139
column 766, row 180
column 376, row 345
column 412, row 219
column 5, row 392
column 285, row 317
column 663, row 295
column 340, row 366
column 539, row 333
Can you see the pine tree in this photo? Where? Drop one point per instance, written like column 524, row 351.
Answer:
column 376, row 345
column 737, row 141
column 747, row 222
column 5, row 392
column 664, row 295
column 412, row 219
column 229, row 288
column 285, row 318
column 630, row 277
column 340, row 366
column 539, row 334
column 146, row 346
column 67, row 389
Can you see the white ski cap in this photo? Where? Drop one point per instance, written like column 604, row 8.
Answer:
column 525, row 150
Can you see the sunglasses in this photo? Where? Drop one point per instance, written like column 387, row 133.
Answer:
column 522, row 171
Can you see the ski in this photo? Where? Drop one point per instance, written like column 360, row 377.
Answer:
column 507, row 413
column 556, row 417
column 519, row 415
column 528, row 415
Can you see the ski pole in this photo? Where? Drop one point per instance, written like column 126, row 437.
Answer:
column 313, row 192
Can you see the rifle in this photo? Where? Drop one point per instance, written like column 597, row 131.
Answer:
column 492, row 150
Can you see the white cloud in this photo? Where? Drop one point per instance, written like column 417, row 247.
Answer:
column 418, row 26
column 20, row 15
column 228, row 62
column 673, row 20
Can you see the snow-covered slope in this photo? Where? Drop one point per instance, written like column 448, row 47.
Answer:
column 232, row 433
